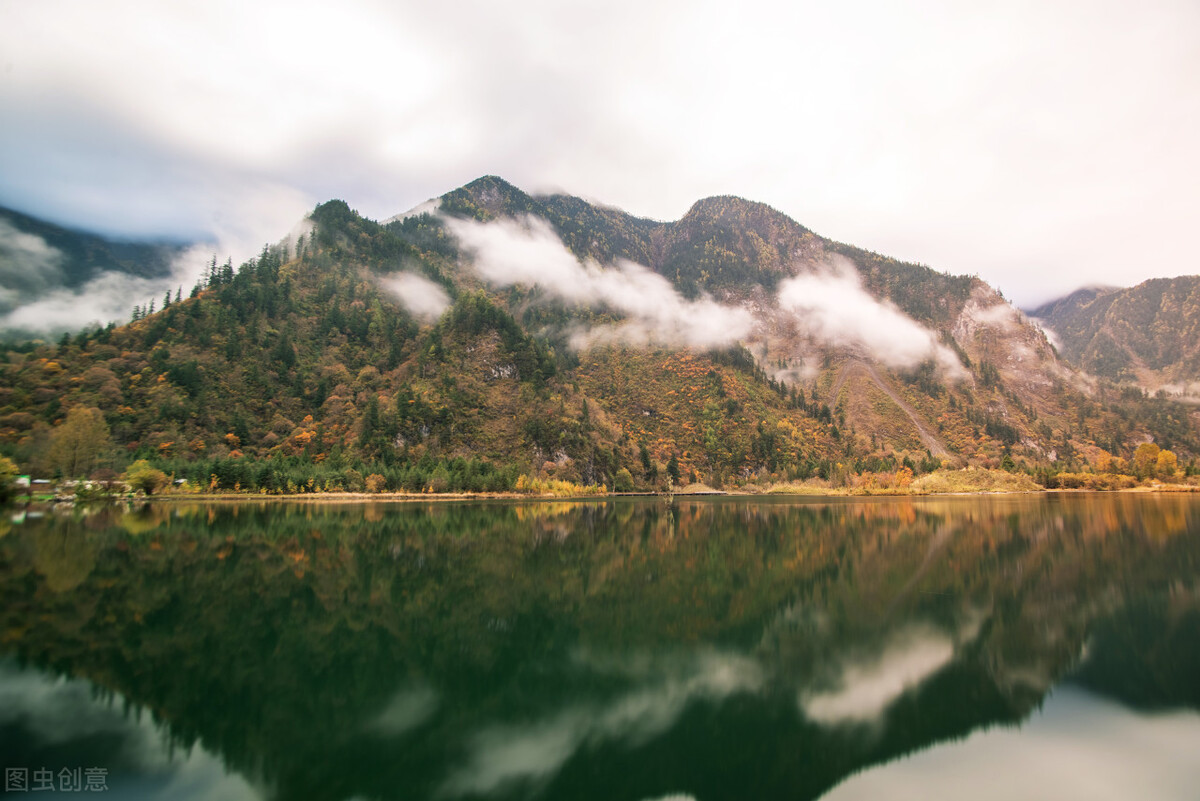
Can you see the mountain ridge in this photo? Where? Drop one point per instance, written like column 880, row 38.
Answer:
column 387, row 349
column 1148, row 335
column 41, row 262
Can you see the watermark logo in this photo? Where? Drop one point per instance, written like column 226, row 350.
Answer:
column 67, row 780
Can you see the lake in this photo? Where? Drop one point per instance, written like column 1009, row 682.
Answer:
column 708, row 649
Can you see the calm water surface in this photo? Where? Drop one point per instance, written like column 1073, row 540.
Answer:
column 1032, row 647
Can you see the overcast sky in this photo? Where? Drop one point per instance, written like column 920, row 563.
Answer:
column 1042, row 145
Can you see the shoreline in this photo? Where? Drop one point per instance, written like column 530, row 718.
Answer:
column 449, row 497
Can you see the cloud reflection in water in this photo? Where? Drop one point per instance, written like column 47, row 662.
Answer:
column 407, row 709
column 1079, row 746
column 61, row 719
column 866, row 687
column 501, row 754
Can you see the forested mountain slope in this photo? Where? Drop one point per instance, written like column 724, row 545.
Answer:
column 1148, row 334
column 508, row 338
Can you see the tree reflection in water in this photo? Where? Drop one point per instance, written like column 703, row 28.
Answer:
column 723, row 648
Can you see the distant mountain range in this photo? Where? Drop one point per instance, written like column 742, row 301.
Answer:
column 38, row 258
column 1147, row 335
column 493, row 334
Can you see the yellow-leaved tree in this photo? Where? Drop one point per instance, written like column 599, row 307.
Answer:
column 1165, row 465
column 1145, row 459
column 80, row 443
column 141, row 476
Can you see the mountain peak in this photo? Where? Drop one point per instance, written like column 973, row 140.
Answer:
column 1071, row 303
column 731, row 210
column 486, row 198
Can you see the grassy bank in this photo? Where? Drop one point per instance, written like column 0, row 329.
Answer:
column 971, row 480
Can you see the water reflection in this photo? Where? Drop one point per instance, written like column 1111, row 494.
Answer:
column 1077, row 746
column 506, row 754
column 407, row 710
column 57, row 723
column 864, row 688
column 710, row 649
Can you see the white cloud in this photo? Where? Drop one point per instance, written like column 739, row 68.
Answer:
column 109, row 297
column 1051, row 334
column 27, row 262
column 834, row 308
column 257, row 216
column 28, row 266
column 963, row 136
column 422, row 297
column 507, row 252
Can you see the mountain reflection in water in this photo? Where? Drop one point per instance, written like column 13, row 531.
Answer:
column 709, row 649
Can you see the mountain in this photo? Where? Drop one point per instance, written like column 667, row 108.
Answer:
column 722, row 245
column 511, row 340
column 1068, row 306
column 1148, row 335
column 37, row 256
